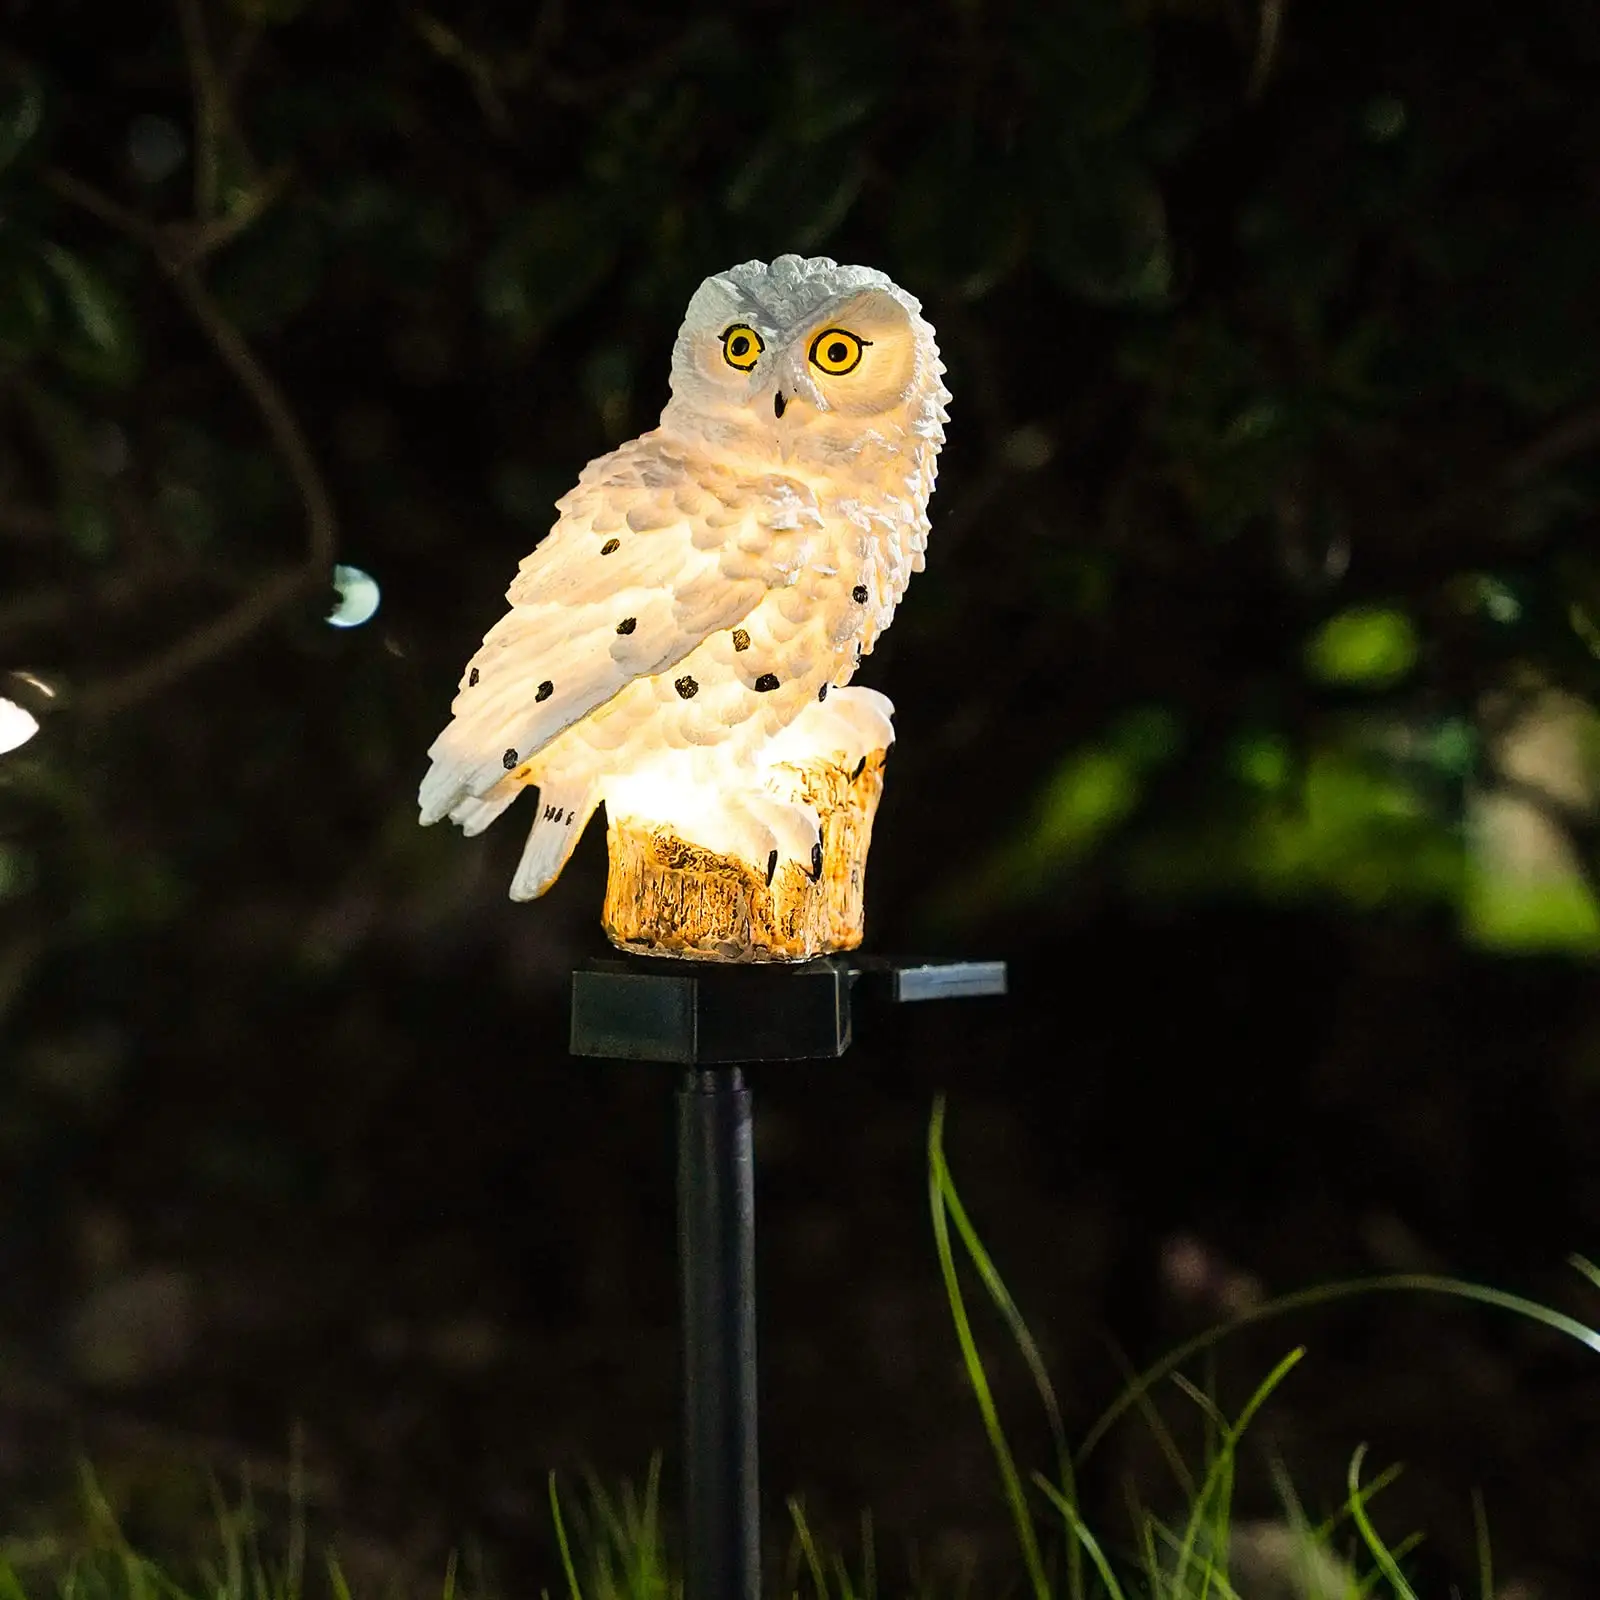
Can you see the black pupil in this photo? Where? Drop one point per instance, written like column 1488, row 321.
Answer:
column 838, row 352
column 739, row 345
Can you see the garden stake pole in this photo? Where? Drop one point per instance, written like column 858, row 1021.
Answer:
column 715, row 1021
column 716, row 1277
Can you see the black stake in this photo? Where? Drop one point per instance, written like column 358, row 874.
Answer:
column 714, row 1020
column 716, row 1256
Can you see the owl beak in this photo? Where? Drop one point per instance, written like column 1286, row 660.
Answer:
column 795, row 386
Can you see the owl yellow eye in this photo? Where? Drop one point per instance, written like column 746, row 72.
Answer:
column 836, row 351
column 741, row 346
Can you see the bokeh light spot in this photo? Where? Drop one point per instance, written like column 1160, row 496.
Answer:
column 1367, row 646
column 17, row 726
column 358, row 597
column 1384, row 118
column 156, row 148
column 33, row 681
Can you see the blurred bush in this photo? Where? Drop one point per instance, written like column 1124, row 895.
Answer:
column 1268, row 515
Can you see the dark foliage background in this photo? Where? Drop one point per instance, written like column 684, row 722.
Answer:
column 1244, row 707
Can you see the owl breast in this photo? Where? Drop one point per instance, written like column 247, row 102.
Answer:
column 733, row 693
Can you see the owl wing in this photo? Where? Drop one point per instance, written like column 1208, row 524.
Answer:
column 652, row 552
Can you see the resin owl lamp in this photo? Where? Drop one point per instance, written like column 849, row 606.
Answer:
column 679, row 646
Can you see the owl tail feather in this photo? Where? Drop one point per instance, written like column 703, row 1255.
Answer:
column 564, row 812
column 473, row 816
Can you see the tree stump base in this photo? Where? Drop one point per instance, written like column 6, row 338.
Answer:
column 668, row 897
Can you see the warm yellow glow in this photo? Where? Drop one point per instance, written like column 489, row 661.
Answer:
column 745, row 810
column 760, row 860
column 653, row 793
column 17, row 726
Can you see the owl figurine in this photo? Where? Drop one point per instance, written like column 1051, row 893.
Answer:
column 679, row 645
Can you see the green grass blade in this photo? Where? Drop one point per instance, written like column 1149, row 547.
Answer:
column 565, row 1547
column 1381, row 1553
column 1225, row 1589
column 336, row 1580
column 1216, row 1422
column 808, row 1546
column 1399, row 1552
column 1323, row 1532
column 989, row 1274
column 793, row 1556
column 940, row 1187
column 1480, row 1538
column 650, row 1515
column 1021, row 1335
column 1587, row 1268
column 841, row 1573
column 1317, row 1539
column 1081, row 1535
column 1219, row 1473
column 619, row 1526
column 229, row 1536
column 103, row 1523
column 1147, row 1525
column 1159, row 1431
column 175, row 1591
column 1327, row 1294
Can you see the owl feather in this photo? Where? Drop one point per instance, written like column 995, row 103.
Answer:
column 676, row 576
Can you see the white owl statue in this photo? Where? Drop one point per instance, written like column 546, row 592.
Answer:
column 678, row 646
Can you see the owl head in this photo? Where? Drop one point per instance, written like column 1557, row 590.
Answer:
column 804, row 361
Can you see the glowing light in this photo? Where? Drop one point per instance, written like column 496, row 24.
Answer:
column 358, row 598
column 650, row 793
column 17, row 726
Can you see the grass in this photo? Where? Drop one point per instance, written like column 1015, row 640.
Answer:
column 613, row 1545
column 1343, row 1558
